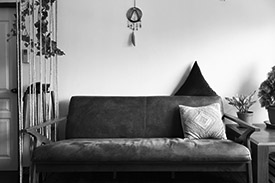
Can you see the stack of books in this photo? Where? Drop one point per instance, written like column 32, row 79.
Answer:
column 272, row 167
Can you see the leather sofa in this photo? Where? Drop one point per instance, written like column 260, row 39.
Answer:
column 126, row 133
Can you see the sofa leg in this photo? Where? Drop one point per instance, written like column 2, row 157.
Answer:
column 249, row 173
column 173, row 175
column 114, row 175
column 32, row 175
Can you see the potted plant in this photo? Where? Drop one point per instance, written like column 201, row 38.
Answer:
column 243, row 103
column 267, row 95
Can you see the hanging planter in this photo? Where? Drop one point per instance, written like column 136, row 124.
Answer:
column 35, row 29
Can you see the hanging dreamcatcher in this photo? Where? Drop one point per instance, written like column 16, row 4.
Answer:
column 134, row 15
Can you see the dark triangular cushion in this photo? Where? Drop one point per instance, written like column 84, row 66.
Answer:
column 195, row 84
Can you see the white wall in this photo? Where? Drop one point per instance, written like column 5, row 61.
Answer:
column 233, row 42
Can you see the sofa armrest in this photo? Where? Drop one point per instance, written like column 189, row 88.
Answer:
column 240, row 122
column 34, row 131
column 38, row 138
column 243, row 138
column 46, row 123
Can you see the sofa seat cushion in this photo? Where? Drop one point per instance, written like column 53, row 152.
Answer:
column 142, row 149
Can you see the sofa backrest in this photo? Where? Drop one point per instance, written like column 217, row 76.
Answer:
column 129, row 117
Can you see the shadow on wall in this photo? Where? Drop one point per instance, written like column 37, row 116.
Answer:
column 184, row 77
column 248, row 85
column 248, row 79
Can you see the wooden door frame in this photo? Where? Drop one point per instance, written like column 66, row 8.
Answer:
column 13, row 5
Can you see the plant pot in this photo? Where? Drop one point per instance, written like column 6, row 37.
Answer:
column 247, row 117
column 271, row 114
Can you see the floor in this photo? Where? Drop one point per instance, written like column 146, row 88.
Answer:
column 12, row 177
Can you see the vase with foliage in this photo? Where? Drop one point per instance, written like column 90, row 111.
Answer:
column 267, row 95
column 243, row 103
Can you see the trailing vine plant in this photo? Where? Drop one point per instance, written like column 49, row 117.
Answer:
column 42, row 43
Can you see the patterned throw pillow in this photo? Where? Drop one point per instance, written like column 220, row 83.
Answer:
column 203, row 122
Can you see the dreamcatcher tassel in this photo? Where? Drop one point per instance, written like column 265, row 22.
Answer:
column 134, row 26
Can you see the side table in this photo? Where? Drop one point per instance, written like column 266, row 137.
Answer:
column 262, row 144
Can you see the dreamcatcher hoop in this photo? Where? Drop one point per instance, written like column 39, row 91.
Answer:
column 134, row 14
